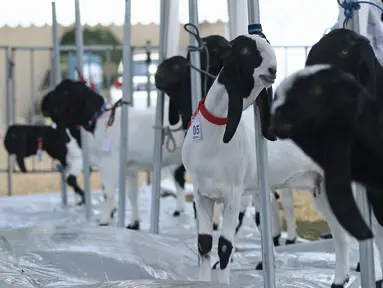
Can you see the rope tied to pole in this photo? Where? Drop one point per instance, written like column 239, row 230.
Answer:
column 170, row 144
column 351, row 6
column 200, row 48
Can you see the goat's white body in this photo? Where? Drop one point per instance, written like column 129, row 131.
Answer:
column 140, row 153
column 73, row 157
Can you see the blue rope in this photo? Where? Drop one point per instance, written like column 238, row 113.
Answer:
column 350, row 7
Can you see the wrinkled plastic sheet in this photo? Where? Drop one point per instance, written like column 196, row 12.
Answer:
column 45, row 245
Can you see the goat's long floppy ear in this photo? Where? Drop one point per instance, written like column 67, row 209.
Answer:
column 174, row 116
column 337, row 170
column 230, row 78
column 21, row 153
column 235, row 106
column 263, row 101
column 365, row 74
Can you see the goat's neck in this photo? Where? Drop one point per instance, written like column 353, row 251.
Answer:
column 217, row 100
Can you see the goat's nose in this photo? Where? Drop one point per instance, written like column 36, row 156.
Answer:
column 273, row 71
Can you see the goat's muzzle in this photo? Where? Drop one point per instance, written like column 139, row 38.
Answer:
column 280, row 127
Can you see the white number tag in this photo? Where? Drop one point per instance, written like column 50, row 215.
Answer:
column 106, row 145
column 196, row 129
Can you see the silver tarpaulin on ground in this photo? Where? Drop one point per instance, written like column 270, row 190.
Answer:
column 44, row 245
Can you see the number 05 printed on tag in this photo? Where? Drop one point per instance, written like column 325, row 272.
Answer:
column 196, row 129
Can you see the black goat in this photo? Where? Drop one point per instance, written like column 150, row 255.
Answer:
column 24, row 141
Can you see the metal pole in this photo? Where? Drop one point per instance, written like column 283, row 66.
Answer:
column 57, row 79
column 9, row 115
column 148, row 82
column 108, row 73
column 195, row 76
column 84, row 138
column 366, row 249
column 126, row 97
column 148, row 90
column 158, row 136
column 263, row 181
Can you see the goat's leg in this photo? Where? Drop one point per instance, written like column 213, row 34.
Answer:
column 204, row 207
column 179, row 180
column 217, row 215
column 108, row 208
column 341, row 243
column 244, row 203
column 288, row 208
column 275, row 218
column 72, row 182
column 378, row 246
column 132, row 185
column 226, row 240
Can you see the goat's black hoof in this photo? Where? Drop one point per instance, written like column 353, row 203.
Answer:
column 112, row 213
column 276, row 195
column 358, row 267
column 134, row 226
column 341, row 285
column 215, row 226
column 276, row 240
column 325, row 235
column 80, row 203
column 379, row 284
column 215, row 265
column 289, row 242
column 176, row 213
column 103, row 224
column 259, row 266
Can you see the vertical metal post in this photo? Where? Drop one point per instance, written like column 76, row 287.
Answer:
column 84, row 138
column 263, row 181
column 57, row 79
column 12, row 70
column 366, row 248
column 148, row 90
column 126, row 97
column 158, row 136
column 108, row 73
column 8, row 76
column 32, row 68
column 148, row 75
column 195, row 76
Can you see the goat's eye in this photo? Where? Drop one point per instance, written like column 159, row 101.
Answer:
column 245, row 51
column 344, row 52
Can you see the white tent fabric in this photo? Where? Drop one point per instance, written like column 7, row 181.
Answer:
column 370, row 24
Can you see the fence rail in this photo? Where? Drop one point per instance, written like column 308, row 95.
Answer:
column 28, row 70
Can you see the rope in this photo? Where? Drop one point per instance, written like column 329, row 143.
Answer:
column 352, row 6
column 168, row 131
column 200, row 48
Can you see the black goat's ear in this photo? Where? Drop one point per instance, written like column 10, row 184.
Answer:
column 337, row 170
column 263, row 101
column 174, row 116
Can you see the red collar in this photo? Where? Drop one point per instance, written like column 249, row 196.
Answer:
column 207, row 115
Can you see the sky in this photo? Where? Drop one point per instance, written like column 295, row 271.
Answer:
column 294, row 22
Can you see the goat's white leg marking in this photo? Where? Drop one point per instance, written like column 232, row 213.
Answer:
column 180, row 206
column 226, row 241
column 217, row 214
column 132, row 185
column 204, row 208
column 288, row 208
column 109, row 205
column 341, row 243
